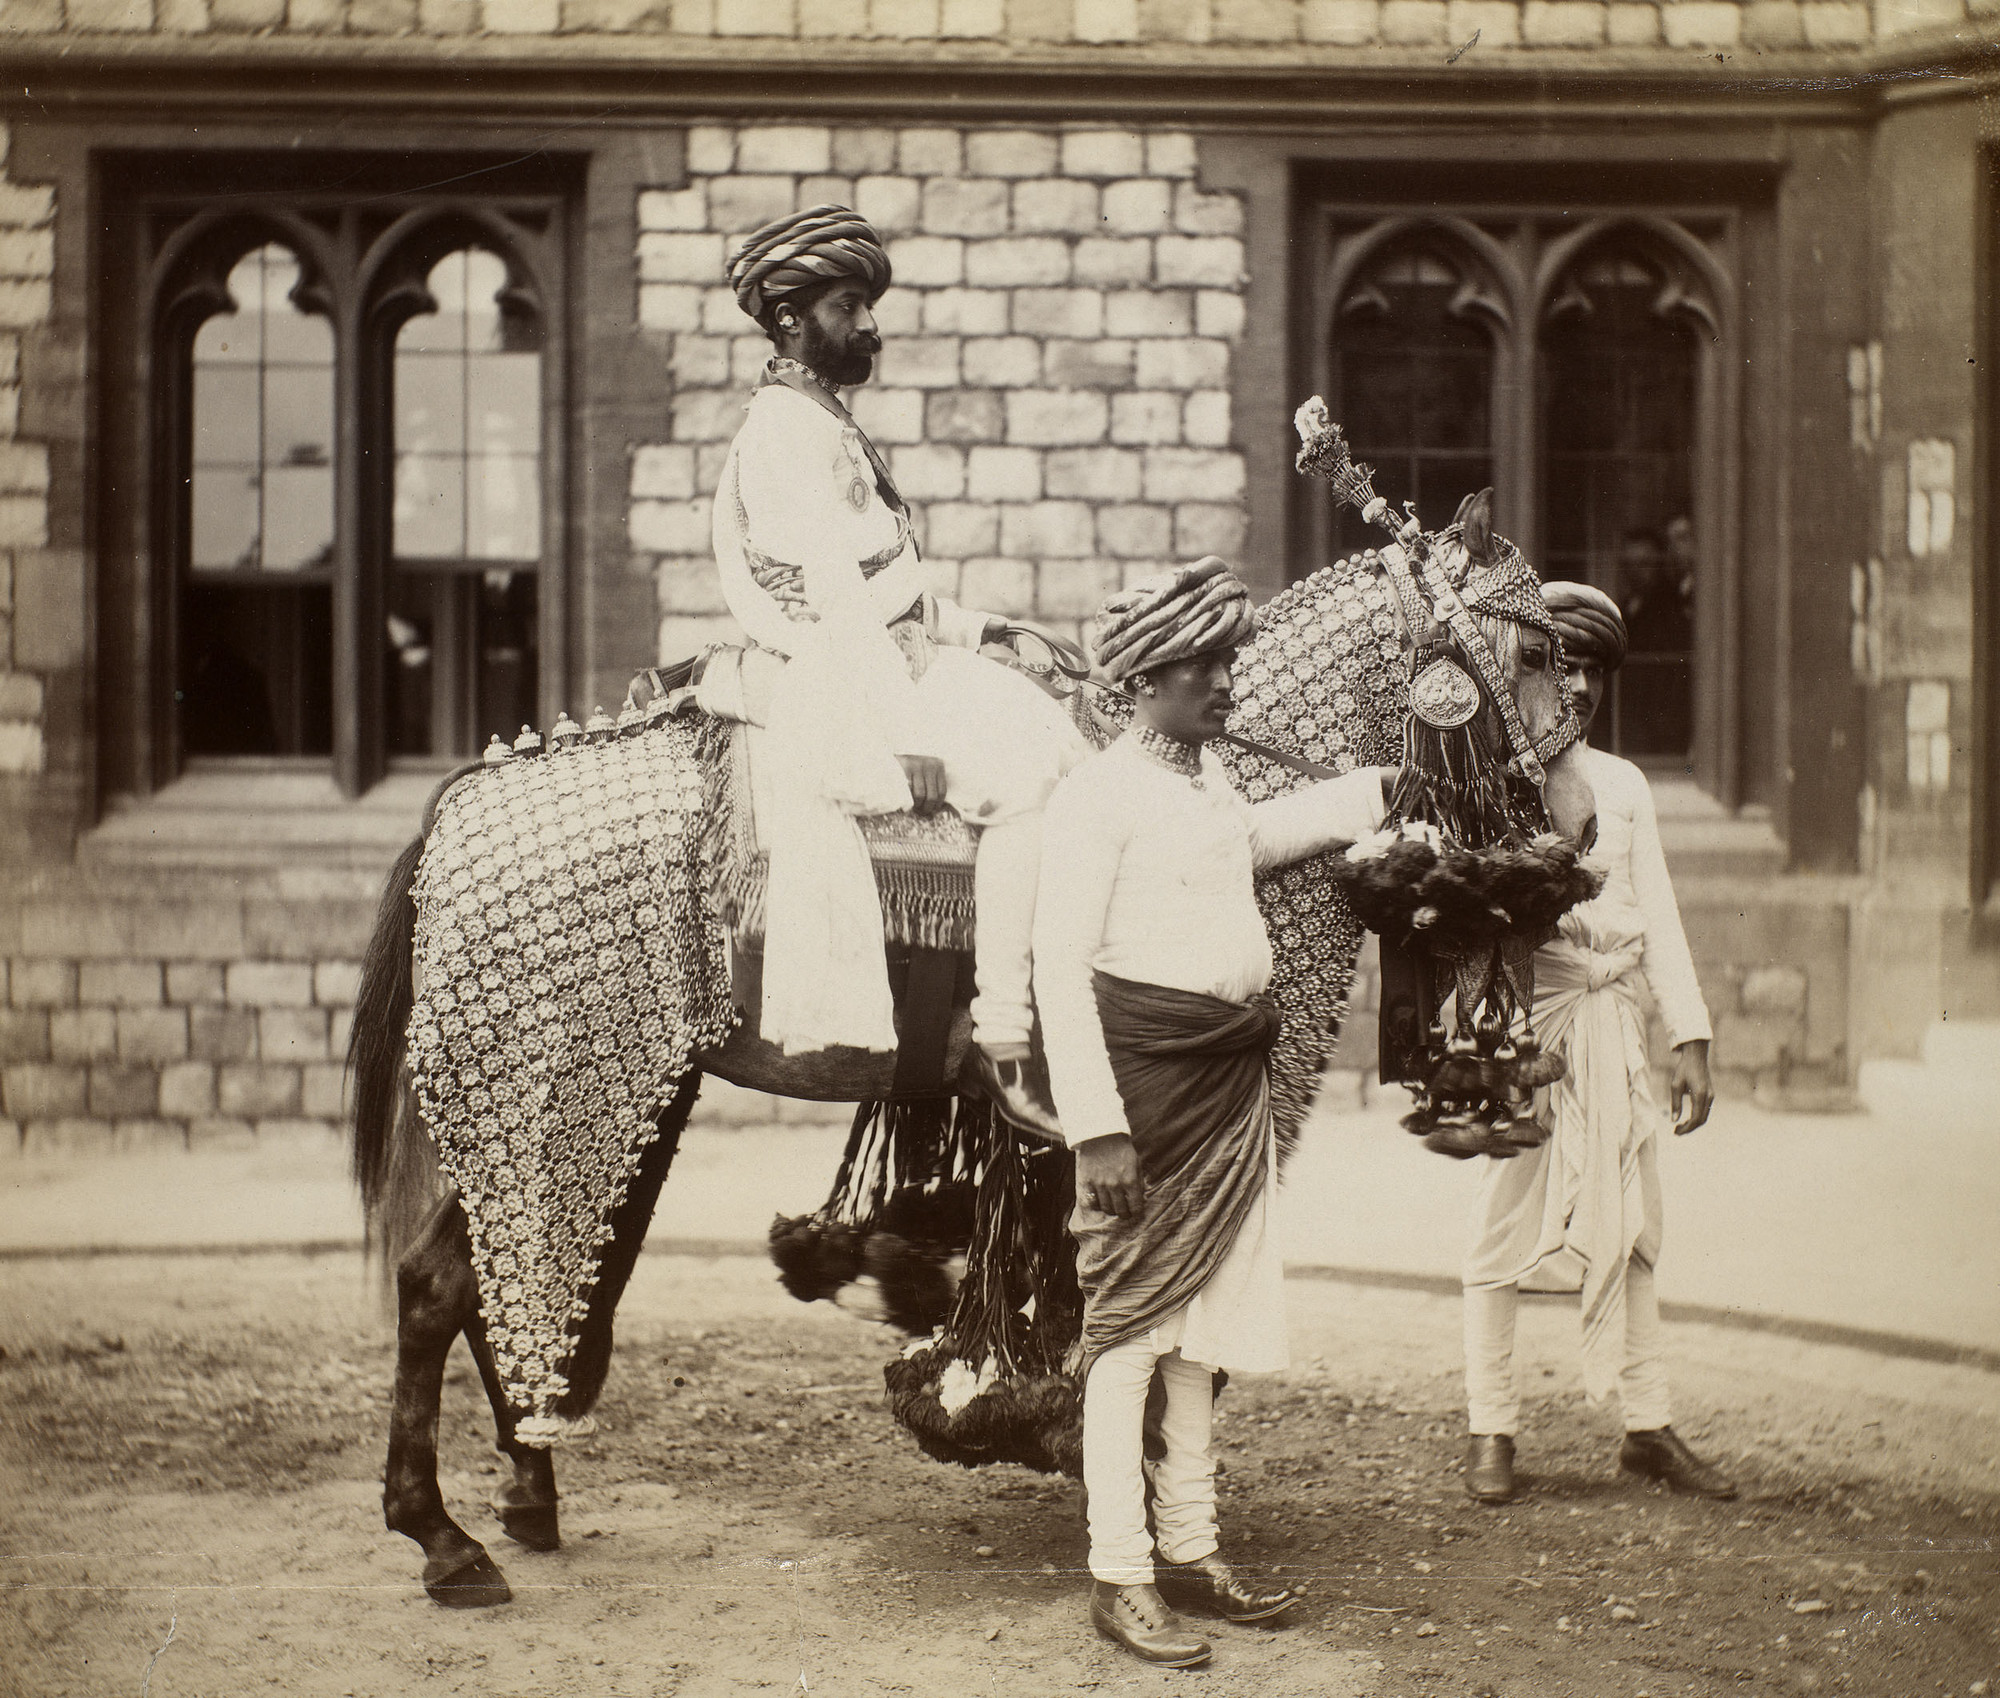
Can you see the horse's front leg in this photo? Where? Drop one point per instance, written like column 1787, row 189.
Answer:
column 437, row 1298
column 526, row 1505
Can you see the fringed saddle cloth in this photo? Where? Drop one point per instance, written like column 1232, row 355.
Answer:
column 569, row 968
column 923, row 865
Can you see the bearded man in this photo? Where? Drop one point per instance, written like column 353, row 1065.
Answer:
column 1151, row 963
column 884, row 702
column 1582, row 1212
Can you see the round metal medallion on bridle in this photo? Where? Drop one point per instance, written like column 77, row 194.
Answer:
column 1443, row 695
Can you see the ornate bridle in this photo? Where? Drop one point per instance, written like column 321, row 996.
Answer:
column 1442, row 694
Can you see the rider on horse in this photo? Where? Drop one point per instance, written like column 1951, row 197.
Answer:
column 884, row 702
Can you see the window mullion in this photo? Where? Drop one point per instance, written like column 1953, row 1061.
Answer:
column 552, row 592
column 1518, row 450
column 358, row 545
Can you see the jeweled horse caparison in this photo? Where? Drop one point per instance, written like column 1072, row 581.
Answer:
column 551, row 974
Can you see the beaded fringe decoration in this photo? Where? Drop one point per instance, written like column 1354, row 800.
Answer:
column 923, row 865
column 568, row 969
column 1324, row 677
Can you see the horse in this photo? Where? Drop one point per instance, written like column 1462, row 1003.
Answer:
column 1322, row 683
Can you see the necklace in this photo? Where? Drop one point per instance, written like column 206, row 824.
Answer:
column 783, row 362
column 1170, row 752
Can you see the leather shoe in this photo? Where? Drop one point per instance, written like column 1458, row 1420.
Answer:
column 1660, row 1455
column 1011, row 1079
column 1137, row 1617
column 1489, row 1467
column 1210, row 1584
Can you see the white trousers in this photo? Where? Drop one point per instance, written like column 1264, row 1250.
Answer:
column 1115, row 1466
column 1493, row 1400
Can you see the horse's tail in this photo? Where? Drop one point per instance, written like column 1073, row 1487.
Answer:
column 394, row 1163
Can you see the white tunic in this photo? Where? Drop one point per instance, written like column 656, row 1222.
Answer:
column 1148, row 878
column 1638, row 895
column 817, row 567
column 1572, row 1214
column 799, row 526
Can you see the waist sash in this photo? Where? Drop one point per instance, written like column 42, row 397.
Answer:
column 1191, row 1070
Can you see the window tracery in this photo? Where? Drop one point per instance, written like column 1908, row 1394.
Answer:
column 1573, row 362
column 346, row 409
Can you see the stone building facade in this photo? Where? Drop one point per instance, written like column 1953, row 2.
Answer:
column 1128, row 237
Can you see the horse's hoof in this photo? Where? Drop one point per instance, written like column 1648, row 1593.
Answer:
column 530, row 1524
column 476, row 1585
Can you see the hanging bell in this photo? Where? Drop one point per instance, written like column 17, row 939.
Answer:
column 630, row 717
column 497, row 752
column 529, row 742
column 600, row 727
column 565, row 734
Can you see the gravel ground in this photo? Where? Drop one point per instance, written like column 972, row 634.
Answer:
column 190, row 1477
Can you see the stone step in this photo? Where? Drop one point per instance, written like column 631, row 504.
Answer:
column 251, row 820
column 1721, row 849
column 1959, row 1067
column 1966, row 1049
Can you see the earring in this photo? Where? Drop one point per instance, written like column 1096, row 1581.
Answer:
column 1144, row 686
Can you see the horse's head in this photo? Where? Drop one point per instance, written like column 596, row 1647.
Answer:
column 1529, row 659
column 1469, row 551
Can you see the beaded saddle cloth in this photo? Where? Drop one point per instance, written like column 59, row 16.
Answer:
column 568, row 970
column 923, row 865
column 1325, row 678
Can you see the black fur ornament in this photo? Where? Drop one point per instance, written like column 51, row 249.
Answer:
column 921, row 1185
column 1466, row 876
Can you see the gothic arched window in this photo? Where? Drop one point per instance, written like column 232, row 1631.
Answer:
column 256, row 648
column 1412, row 382
column 1576, row 361
column 466, row 516
column 336, row 434
column 1620, row 354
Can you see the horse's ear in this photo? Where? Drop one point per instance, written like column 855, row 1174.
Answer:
column 1475, row 526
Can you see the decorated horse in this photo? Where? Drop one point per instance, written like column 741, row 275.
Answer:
column 572, row 942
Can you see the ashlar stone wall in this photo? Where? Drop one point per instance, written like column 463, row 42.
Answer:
column 1502, row 27
column 27, row 260
column 178, row 1011
column 1053, row 396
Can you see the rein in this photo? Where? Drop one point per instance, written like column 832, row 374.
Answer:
column 1065, row 657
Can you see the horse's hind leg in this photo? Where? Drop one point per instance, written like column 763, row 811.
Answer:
column 437, row 1298
column 526, row 1505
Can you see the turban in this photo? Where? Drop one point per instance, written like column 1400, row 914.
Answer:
column 1192, row 610
column 1588, row 621
column 804, row 248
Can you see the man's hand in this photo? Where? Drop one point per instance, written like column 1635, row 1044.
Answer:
column 1107, row 1176
column 1692, row 1093
column 926, row 776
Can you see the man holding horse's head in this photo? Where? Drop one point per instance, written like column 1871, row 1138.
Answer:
column 1151, row 966
column 884, row 702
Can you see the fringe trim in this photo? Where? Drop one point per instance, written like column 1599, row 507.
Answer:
column 923, row 907
column 545, row 1432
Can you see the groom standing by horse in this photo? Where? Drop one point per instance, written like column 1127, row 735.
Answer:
column 883, row 702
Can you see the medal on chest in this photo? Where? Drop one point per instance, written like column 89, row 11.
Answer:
column 861, row 476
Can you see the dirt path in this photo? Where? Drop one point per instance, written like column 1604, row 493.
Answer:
column 191, row 1451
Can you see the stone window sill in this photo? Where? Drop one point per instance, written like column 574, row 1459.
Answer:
column 265, row 814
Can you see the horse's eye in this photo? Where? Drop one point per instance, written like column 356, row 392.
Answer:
column 1534, row 656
